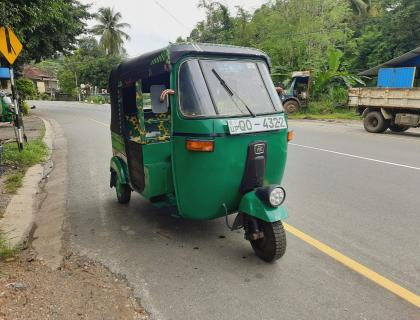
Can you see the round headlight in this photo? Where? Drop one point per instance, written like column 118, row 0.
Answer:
column 277, row 196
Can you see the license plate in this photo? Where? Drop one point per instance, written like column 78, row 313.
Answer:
column 259, row 124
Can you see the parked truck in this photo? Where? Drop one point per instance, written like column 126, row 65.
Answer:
column 387, row 108
column 394, row 104
column 295, row 95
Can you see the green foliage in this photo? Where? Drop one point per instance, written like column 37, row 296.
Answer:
column 14, row 181
column 361, row 6
column 391, row 30
column 67, row 78
column 45, row 27
column 34, row 152
column 6, row 251
column 98, row 99
column 218, row 26
column 324, row 81
column 296, row 33
column 25, row 108
column 110, row 30
column 334, row 39
column 25, row 88
column 314, row 114
column 89, row 64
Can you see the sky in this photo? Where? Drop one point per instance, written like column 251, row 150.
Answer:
column 152, row 27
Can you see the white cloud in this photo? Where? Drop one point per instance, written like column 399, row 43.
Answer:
column 153, row 27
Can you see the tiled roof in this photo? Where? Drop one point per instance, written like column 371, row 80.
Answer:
column 35, row 73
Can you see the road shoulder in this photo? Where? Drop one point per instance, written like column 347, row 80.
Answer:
column 46, row 279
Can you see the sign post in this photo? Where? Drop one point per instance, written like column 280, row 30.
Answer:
column 11, row 47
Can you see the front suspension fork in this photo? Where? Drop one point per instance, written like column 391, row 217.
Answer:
column 252, row 229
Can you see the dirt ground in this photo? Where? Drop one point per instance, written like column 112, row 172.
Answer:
column 79, row 289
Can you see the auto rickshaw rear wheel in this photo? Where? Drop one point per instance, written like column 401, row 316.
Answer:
column 272, row 245
column 123, row 192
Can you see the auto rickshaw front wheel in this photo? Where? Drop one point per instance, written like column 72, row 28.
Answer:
column 272, row 245
column 123, row 192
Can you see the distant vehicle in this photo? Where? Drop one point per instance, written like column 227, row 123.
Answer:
column 394, row 104
column 295, row 95
column 6, row 108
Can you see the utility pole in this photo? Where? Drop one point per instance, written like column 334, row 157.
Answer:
column 18, row 115
column 77, row 86
column 10, row 48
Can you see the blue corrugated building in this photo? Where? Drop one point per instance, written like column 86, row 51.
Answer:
column 400, row 72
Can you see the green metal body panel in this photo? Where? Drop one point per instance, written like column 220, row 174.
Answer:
column 157, row 169
column 5, row 114
column 253, row 206
column 205, row 181
column 119, row 166
column 117, row 143
column 156, row 162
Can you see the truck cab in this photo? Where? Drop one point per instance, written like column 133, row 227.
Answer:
column 295, row 93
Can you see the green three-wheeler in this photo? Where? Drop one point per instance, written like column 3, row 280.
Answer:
column 200, row 127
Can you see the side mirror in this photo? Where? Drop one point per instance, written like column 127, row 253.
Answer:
column 159, row 98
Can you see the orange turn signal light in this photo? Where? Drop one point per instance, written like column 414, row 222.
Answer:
column 200, row 145
column 290, row 136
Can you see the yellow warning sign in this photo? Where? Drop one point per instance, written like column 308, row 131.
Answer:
column 10, row 45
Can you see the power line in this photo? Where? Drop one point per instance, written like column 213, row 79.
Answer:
column 172, row 15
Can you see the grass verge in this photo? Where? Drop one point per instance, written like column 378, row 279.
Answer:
column 6, row 251
column 34, row 152
column 325, row 116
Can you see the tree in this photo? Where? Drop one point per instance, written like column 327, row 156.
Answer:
column 332, row 75
column 218, row 25
column 392, row 31
column 44, row 27
column 110, row 30
column 25, row 88
column 89, row 64
column 361, row 6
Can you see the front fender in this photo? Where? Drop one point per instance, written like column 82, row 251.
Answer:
column 119, row 167
column 253, row 206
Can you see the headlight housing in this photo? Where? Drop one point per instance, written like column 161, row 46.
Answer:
column 273, row 196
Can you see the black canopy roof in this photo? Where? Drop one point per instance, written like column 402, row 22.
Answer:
column 159, row 61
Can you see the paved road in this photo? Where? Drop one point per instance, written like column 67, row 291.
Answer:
column 338, row 193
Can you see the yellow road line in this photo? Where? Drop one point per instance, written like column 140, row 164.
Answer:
column 357, row 267
column 102, row 123
column 348, row 262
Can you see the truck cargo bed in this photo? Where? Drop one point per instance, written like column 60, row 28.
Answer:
column 385, row 98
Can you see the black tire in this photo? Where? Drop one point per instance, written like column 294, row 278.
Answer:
column 291, row 106
column 398, row 128
column 273, row 245
column 123, row 192
column 375, row 122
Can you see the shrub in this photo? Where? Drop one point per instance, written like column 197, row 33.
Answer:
column 25, row 108
column 25, row 88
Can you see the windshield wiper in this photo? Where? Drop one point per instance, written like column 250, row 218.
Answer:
column 231, row 92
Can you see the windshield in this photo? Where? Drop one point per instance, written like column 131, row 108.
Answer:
column 226, row 88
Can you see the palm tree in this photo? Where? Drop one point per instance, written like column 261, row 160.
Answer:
column 110, row 30
column 361, row 6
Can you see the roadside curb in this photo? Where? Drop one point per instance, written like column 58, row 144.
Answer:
column 18, row 220
column 327, row 121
